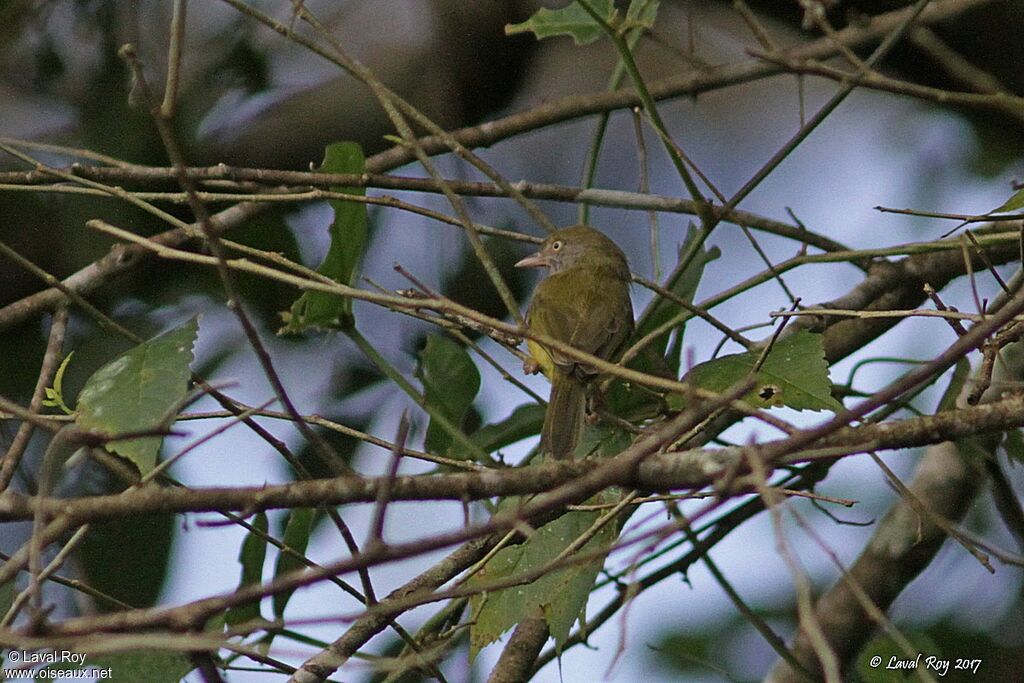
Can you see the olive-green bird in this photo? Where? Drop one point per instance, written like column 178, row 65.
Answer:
column 584, row 301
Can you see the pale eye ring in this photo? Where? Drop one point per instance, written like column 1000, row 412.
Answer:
column 556, row 245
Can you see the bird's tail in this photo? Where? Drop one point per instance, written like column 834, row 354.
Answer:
column 563, row 423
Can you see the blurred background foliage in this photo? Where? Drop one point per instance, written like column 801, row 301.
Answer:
column 249, row 98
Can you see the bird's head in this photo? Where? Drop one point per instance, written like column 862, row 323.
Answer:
column 577, row 246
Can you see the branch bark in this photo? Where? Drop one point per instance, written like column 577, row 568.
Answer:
column 657, row 472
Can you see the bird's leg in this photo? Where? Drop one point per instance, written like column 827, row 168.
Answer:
column 596, row 404
column 531, row 367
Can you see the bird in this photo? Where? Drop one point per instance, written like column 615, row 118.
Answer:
column 583, row 301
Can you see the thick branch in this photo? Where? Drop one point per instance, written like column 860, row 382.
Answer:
column 658, row 472
column 903, row 545
column 895, row 285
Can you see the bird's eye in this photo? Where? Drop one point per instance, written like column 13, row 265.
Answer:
column 556, row 245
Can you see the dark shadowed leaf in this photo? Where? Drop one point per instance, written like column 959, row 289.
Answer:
column 450, row 383
column 349, row 232
column 296, row 536
column 1014, row 446
column 128, row 558
column 685, row 288
column 603, row 440
column 142, row 665
column 251, row 557
column 6, row 596
column 469, row 284
column 526, row 420
column 268, row 231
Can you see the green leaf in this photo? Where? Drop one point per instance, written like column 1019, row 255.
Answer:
column 526, row 420
column 450, row 383
column 349, row 232
column 128, row 558
column 55, row 394
column 961, row 371
column 603, row 440
column 634, row 402
column 641, row 14
column 685, row 656
column 296, row 536
column 137, row 392
column 6, row 598
column 1014, row 446
column 795, row 375
column 560, row 595
column 572, row 20
column 685, row 288
column 142, row 665
column 1014, row 203
column 251, row 557
column 264, row 297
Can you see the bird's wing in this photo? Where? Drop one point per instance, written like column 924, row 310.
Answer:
column 585, row 321
column 605, row 322
column 553, row 315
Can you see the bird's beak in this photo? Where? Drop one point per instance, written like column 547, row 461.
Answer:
column 538, row 260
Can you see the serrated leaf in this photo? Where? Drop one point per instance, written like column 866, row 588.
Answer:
column 572, row 21
column 526, row 420
column 450, row 383
column 559, row 595
column 1014, row 203
column 349, row 232
column 251, row 557
column 136, row 392
column 296, row 536
column 794, row 375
